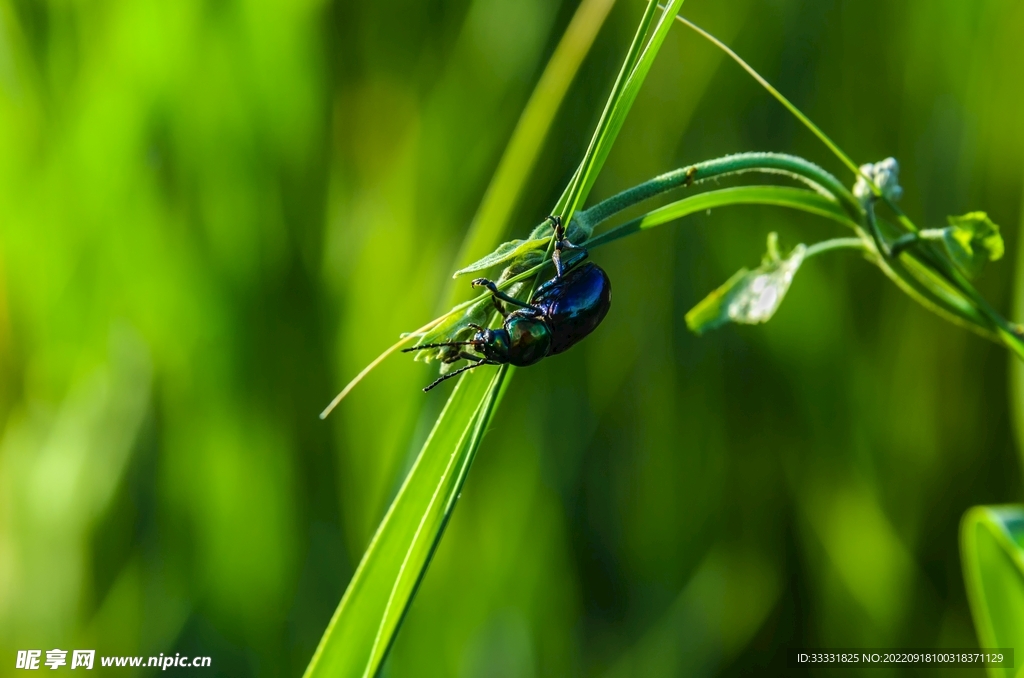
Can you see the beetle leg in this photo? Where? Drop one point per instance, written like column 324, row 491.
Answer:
column 499, row 307
column 556, row 223
column 561, row 243
column 499, row 295
column 556, row 257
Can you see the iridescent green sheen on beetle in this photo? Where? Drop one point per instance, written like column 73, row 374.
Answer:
column 560, row 313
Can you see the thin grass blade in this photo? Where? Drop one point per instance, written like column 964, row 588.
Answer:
column 628, row 64
column 624, row 95
column 363, row 627
column 366, row 621
column 491, row 220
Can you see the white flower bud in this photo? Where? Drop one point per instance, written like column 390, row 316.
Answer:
column 885, row 175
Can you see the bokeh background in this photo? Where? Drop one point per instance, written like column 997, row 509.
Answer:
column 212, row 214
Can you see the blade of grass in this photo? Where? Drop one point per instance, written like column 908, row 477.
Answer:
column 615, row 115
column 367, row 619
column 435, row 519
column 491, row 220
column 362, row 628
column 620, row 81
column 370, row 613
column 991, row 540
column 519, row 157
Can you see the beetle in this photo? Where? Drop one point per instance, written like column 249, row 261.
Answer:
column 561, row 312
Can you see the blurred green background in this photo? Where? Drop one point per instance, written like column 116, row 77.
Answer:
column 212, row 214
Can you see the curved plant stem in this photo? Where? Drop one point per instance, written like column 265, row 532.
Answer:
column 834, row 244
column 780, row 196
column 901, row 271
column 948, row 305
column 908, row 274
column 776, row 163
column 906, row 271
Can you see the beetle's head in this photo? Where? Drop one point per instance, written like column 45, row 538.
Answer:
column 493, row 344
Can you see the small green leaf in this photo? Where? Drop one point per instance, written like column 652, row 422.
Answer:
column 749, row 297
column 521, row 265
column 971, row 240
column 515, row 252
column 711, row 311
column 991, row 540
column 505, row 253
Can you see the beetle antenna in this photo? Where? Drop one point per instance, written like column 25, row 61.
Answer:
column 445, row 344
column 455, row 374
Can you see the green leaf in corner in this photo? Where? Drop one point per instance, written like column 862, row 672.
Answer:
column 972, row 240
column 992, row 551
column 749, row 297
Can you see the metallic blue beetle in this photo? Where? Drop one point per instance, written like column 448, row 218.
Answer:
column 560, row 313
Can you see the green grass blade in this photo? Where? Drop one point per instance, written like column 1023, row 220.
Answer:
column 361, row 631
column 367, row 619
column 491, row 220
column 364, row 625
column 628, row 64
column 623, row 96
column 992, row 551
